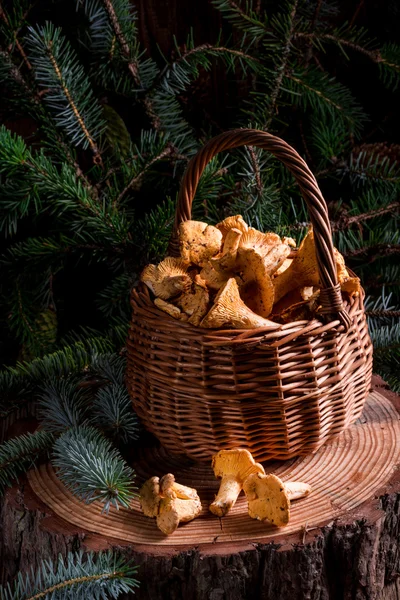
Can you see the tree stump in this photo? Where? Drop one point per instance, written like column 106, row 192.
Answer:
column 342, row 542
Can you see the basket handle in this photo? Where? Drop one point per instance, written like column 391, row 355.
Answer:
column 331, row 297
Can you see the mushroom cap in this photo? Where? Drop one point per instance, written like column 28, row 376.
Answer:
column 168, row 278
column 261, row 242
column 348, row 284
column 176, row 510
column 276, row 257
column 302, row 271
column 149, row 497
column 170, row 309
column 256, row 287
column 268, row 498
column 169, row 488
column 289, row 241
column 214, row 278
column 237, row 462
column 225, row 261
column 236, row 222
column 198, row 241
column 230, row 311
column 195, row 301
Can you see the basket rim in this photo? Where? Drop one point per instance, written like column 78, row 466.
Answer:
column 142, row 301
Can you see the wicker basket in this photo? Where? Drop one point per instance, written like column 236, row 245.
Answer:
column 278, row 392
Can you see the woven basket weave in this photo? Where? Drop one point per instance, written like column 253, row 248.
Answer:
column 278, row 392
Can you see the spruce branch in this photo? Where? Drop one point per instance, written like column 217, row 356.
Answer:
column 62, row 404
column 346, row 220
column 136, row 180
column 281, row 69
column 13, row 34
column 69, row 92
column 19, row 454
column 248, row 22
column 92, row 469
column 374, row 251
column 113, row 413
column 98, row 576
column 132, row 64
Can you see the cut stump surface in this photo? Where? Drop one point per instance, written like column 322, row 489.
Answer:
column 343, row 474
column 342, row 541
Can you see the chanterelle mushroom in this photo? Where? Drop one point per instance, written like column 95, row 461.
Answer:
column 170, row 502
column 236, row 222
column 256, row 287
column 198, row 242
column 169, row 488
column 302, row 271
column 269, row 498
column 229, row 310
column 149, row 496
column 233, row 466
column 176, row 510
column 194, row 302
column 168, row 278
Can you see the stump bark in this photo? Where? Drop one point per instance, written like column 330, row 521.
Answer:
column 355, row 555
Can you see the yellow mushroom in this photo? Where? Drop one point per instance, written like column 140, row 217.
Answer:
column 233, row 467
column 256, row 287
column 261, row 242
column 169, row 502
column 230, row 311
column 269, row 498
column 169, row 488
column 235, row 222
column 174, row 511
column 348, row 284
column 149, row 497
column 198, row 242
column 195, row 301
column 226, row 260
column 213, row 277
column 170, row 309
column 302, row 271
column 169, row 278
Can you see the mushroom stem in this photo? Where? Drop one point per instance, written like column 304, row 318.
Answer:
column 176, row 510
column 297, row 489
column 228, row 493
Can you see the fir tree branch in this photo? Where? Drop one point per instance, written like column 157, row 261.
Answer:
column 345, row 220
column 57, row 68
column 248, row 22
column 374, row 55
column 92, row 469
column 132, row 65
column 103, row 575
column 81, row 122
column 281, row 69
column 19, row 454
column 376, row 251
column 256, row 167
column 3, row 15
column 134, row 182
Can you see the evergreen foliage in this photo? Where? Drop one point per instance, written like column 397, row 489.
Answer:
column 92, row 468
column 88, row 194
column 77, row 576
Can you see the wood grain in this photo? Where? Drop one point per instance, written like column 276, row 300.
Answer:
column 344, row 473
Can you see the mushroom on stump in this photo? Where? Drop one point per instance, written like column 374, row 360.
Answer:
column 233, row 466
column 269, row 498
column 170, row 502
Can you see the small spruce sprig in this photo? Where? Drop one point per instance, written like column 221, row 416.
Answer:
column 78, row 576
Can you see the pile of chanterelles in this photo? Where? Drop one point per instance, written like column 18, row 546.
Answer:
column 234, row 276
